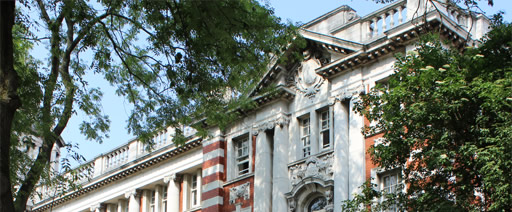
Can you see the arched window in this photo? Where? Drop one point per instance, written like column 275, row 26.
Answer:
column 317, row 205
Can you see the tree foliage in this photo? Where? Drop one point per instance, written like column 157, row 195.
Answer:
column 175, row 61
column 446, row 117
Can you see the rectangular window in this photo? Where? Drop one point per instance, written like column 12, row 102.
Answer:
column 152, row 202
column 164, row 199
column 242, row 156
column 390, row 184
column 193, row 190
column 305, row 137
column 325, row 127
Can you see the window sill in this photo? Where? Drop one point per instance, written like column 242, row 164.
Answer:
column 195, row 208
column 239, row 178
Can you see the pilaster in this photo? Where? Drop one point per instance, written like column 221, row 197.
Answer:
column 173, row 192
column 133, row 200
column 280, row 170
column 341, row 153
column 356, row 149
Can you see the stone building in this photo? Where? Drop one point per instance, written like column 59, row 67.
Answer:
column 300, row 150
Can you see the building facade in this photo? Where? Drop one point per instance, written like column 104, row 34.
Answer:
column 301, row 149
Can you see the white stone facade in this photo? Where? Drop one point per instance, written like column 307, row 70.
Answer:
column 302, row 149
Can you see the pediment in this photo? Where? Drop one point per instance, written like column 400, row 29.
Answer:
column 301, row 75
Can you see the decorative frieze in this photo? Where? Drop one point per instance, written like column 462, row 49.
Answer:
column 319, row 167
column 241, row 191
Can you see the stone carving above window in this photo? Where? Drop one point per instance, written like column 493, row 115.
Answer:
column 241, row 191
column 319, row 167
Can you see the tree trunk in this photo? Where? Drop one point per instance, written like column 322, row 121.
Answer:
column 9, row 101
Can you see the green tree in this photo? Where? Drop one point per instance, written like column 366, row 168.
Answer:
column 175, row 61
column 446, row 117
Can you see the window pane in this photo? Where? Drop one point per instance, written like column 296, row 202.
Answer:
column 325, row 139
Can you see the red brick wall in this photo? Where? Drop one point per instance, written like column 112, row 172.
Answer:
column 245, row 203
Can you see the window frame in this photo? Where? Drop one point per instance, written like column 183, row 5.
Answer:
column 394, row 187
column 242, row 155
column 305, row 136
column 329, row 130
column 164, row 198
column 192, row 193
column 194, row 201
column 152, row 201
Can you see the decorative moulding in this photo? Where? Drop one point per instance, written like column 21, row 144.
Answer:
column 241, row 191
column 314, row 166
column 281, row 120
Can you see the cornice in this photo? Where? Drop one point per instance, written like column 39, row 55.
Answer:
column 394, row 38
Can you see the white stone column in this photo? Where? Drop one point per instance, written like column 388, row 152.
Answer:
column 121, row 204
column 262, row 174
column 173, row 192
column 356, row 150
column 341, row 159
column 134, row 201
column 158, row 197
column 280, row 168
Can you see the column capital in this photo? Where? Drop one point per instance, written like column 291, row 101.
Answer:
column 134, row 193
column 350, row 94
column 98, row 206
column 281, row 120
column 173, row 177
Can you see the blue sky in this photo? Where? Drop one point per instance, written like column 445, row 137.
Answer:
column 293, row 10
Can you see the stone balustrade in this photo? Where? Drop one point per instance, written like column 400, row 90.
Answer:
column 384, row 19
column 85, row 172
column 117, row 157
column 459, row 16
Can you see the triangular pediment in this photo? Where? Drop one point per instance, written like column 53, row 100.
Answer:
column 300, row 76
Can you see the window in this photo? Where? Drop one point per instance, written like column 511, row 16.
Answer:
column 152, row 202
column 390, row 184
column 242, row 156
column 318, row 204
column 164, row 199
column 305, row 137
column 193, row 190
column 325, row 126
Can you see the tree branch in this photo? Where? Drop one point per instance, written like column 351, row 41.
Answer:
column 119, row 54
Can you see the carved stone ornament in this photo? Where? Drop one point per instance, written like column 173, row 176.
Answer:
column 320, row 167
column 348, row 94
column 351, row 15
column 281, row 120
column 306, row 79
column 99, row 207
column 135, row 193
column 292, row 205
column 239, row 192
column 174, row 177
